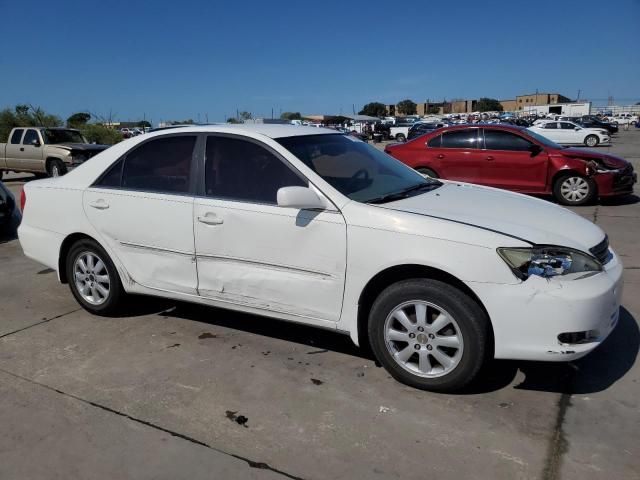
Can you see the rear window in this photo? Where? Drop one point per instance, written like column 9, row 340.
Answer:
column 460, row 139
column 16, row 136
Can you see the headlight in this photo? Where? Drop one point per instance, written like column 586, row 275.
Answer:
column 547, row 261
column 79, row 157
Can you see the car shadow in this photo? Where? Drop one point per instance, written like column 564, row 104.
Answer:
column 618, row 201
column 594, row 373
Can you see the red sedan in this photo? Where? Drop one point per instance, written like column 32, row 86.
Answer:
column 516, row 159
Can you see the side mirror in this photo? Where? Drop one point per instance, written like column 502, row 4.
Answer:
column 535, row 149
column 35, row 142
column 302, row 198
column 577, row 128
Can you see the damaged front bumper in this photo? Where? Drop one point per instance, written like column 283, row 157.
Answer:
column 557, row 319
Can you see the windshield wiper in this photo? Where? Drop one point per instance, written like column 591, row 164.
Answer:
column 390, row 197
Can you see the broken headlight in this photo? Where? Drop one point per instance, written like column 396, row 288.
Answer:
column 547, row 261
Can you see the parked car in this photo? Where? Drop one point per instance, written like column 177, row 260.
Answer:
column 50, row 151
column 517, row 159
column 624, row 119
column 421, row 128
column 400, row 131
column 9, row 213
column 588, row 121
column 312, row 226
column 569, row 133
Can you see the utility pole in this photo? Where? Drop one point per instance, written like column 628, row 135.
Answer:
column 578, row 98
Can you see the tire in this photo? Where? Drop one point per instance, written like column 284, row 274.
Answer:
column 1, row 174
column 574, row 189
column 463, row 321
column 93, row 299
column 401, row 138
column 591, row 141
column 427, row 171
column 55, row 168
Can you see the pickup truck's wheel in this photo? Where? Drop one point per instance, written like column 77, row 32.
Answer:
column 574, row 189
column 93, row 278
column 401, row 138
column 429, row 335
column 55, row 168
column 427, row 171
column 591, row 141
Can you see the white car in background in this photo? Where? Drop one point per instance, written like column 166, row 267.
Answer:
column 569, row 133
column 316, row 227
column 624, row 119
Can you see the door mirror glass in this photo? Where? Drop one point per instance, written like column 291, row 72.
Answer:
column 299, row 197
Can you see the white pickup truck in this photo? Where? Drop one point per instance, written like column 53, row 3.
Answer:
column 45, row 151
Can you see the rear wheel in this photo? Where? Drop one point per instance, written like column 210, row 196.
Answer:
column 428, row 172
column 574, row 189
column 591, row 141
column 55, row 168
column 401, row 138
column 93, row 278
column 429, row 335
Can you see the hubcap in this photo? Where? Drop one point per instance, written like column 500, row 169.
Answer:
column 54, row 171
column 91, row 278
column 591, row 141
column 574, row 189
column 423, row 339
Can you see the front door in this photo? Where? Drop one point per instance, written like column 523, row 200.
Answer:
column 511, row 164
column 143, row 210
column 250, row 252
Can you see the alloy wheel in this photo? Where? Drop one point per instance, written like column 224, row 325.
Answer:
column 91, row 278
column 423, row 339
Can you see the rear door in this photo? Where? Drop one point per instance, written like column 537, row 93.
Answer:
column 511, row 164
column 458, row 157
column 142, row 208
column 13, row 147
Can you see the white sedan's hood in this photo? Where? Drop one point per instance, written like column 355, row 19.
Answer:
column 521, row 216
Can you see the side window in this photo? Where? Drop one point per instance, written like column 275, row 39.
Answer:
column 460, row 139
column 501, row 140
column 17, row 135
column 29, row 137
column 237, row 169
column 434, row 142
column 567, row 126
column 551, row 126
column 160, row 165
column 113, row 177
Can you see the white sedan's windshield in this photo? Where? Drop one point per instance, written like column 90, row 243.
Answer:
column 356, row 169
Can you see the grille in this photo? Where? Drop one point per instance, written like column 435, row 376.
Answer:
column 601, row 251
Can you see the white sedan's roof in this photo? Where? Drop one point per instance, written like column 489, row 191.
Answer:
column 267, row 129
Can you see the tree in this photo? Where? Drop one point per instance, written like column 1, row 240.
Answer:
column 407, row 107
column 291, row 116
column 144, row 124
column 233, row 120
column 25, row 116
column 78, row 120
column 374, row 109
column 433, row 110
column 488, row 105
column 96, row 133
column 245, row 116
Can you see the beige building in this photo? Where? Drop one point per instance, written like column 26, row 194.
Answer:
column 524, row 101
column 508, row 105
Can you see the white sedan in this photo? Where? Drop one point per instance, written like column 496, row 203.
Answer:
column 311, row 226
column 569, row 133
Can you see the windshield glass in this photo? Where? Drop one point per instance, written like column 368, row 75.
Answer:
column 52, row 136
column 355, row 168
column 544, row 140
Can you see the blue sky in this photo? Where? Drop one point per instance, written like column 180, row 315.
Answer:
column 176, row 60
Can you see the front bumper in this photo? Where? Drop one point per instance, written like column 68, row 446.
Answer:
column 528, row 317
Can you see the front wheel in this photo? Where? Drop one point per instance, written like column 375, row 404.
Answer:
column 591, row 141
column 56, row 168
column 429, row 335
column 574, row 190
column 93, row 278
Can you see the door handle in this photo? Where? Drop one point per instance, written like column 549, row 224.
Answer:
column 490, row 158
column 440, row 156
column 210, row 219
column 99, row 204
column 22, row 149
